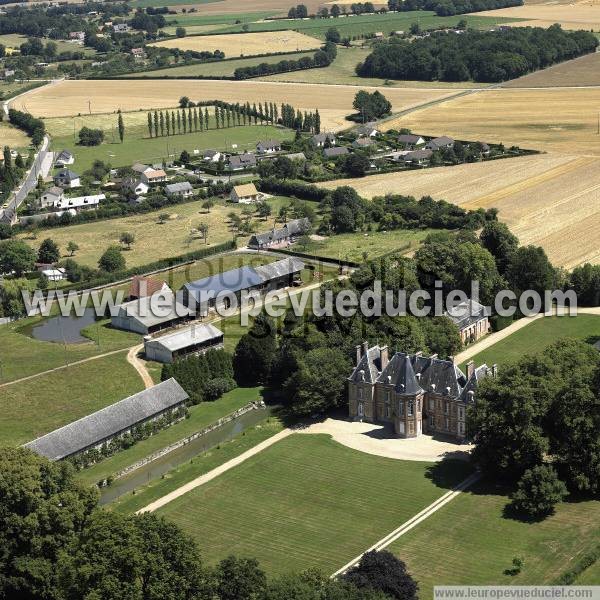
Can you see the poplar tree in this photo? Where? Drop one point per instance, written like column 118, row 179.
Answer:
column 206, row 119
column 200, row 120
column 121, row 126
column 168, row 122
column 155, row 123
column 178, row 122
column 190, row 120
column 162, row 123
column 255, row 113
column 317, row 121
column 173, row 122
column 150, row 124
column 195, row 119
column 183, row 121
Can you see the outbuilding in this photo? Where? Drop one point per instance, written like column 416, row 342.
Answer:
column 195, row 339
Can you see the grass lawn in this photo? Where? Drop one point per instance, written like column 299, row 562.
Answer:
column 38, row 406
column 469, row 541
column 307, row 502
column 200, row 417
column 537, row 335
column 217, row 68
column 21, row 355
column 14, row 40
column 202, row 463
column 152, row 239
column 8, row 89
column 189, row 19
column 370, row 23
column 591, row 576
column 353, row 246
column 138, row 147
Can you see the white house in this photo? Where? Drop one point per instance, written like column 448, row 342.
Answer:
column 137, row 186
column 154, row 176
column 54, row 274
column 268, row 147
column 181, row 190
column 64, row 158
column 66, row 178
column 80, row 202
column 244, row 194
column 211, row 156
column 51, row 196
column 320, row 139
column 121, row 28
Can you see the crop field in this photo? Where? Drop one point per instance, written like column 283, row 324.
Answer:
column 549, row 200
column 579, row 72
column 282, row 506
column 14, row 40
column 539, row 334
column 481, row 543
column 218, row 68
column 35, row 407
column 69, row 98
column 152, row 239
column 12, row 137
column 228, row 7
column 244, row 44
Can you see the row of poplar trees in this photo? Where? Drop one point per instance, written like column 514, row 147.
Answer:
column 197, row 118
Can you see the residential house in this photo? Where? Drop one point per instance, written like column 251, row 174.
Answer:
column 212, row 156
column 153, row 176
column 282, row 236
column 179, row 190
column 195, row 339
column 113, row 421
column 244, row 194
column 80, row 202
column 321, row 139
column 138, row 53
column 363, row 142
column 136, row 185
column 6, row 73
column 77, row 35
column 367, row 130
column 472, row 320
column 378, row 34
column 335, row 152
column 121, row 28
column 140, row 168
column 239, row 162
column 414, row 393
column 418, row 157
column 484, row 148
column 51, row 196
column 64, row 158
column 440, row 143
column 268, row 146
column 146, row 286
column 410, row 141
column 66, row 178
column 58, row 274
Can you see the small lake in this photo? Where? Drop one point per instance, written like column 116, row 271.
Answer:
column 64, row 329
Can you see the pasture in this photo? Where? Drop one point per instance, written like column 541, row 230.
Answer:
column 38, row 406
column 14, row 40
column 469, row 541
column 539, row 334
column 243, row 44
column 308, row 502
column 72, row 97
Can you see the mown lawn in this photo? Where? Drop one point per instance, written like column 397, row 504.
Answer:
column 469, row 541
column 308, row 502
column 38, row 406
column 200, row 417
column 21, row 355
column 533, row 338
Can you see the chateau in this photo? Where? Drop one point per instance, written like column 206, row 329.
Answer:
column 418, row 394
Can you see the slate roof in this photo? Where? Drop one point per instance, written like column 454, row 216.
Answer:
column 280, row 268
column 409, row 138
column 321, row 138
column 268, row 145
column 369, row 366
column 64, row 156
column 418, row 155
column 400, row 373
column 109, row 421
column 140, row 168
column 242, row 161
column 337, row 151
column 55, row 191
column 170, row 309
column 234, row 280
column 471, row 385
column 442, row 374
column 183, row 186
column 291, row 228
column 66, row 174
column 440, row 142
column 467, row 313
column 189, row 336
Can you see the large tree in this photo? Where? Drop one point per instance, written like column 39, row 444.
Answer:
column 112, row 260
column 255, row 352
column 49, row 252
column 17, row 256
column 500, row 242
column 530, row 269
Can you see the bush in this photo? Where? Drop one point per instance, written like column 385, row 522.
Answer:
column 538, row 491
column 90, row 137
column 215, row 388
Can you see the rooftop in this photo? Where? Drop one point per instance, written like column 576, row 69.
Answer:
column 189, row 336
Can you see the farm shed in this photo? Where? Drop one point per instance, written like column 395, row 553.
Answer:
column 195, row 339
column 282, row 235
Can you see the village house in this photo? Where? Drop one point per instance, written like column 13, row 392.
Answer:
column 472, row 320
column 140, row 168
column 135, row 185
column 195, row 339
column 321, row 139
column 51, row 274
column 77, row 35
column 414, row 393
column 66, row 178
column 212, row 156
column 79, row 203
column 111, row 422
column 138, row 53
column 282, row 236
column 367, row 130
column 153, row 176
column 179, row 190
column 335, row 152
column 146, row 286
column 410, row 141
column 51, row 196
column 64, row 158
column 418, row 157
column 121, row 28
column 440, row 143
column 268, row 146
column 239, row 162
column 363, row 142
column 244, row 194
column 6, row 73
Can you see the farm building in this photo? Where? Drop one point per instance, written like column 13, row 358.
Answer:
column 66, row 178
column 268, row 146
column 195, row 339
column 440, row 143
column 245, row 194
column 111, row 422
column 216, row 290
column 472, row 320
column 335, row 152
column 179, row 190
column 146, row 286
column 64, row 158
column 281, row 236
column 410, row 141
column 151, row 313
column 239, row 162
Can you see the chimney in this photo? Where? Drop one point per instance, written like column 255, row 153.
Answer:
column 494, row 370
column 470, row 369
column 433, row 356
column 419, row 353
column 358, row 355
column 384, row 357
column 365, row 347
column 451, row 359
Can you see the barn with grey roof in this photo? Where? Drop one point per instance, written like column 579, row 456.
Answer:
column 282, row 235
column 113, row 421
column 195, row 339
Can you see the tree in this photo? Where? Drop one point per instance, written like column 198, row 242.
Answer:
column 497, row 238
column 185, row 157
column 333, row 35
column 383, row 572
column 150, row 124
column 5, row 231
column 163, row 218
column 184, row 102
column 127, row 239
column 49, row 252
column 264, row 210
column 538, row 491
column 357, row 165
column 207, row 205
column 17, row 256
column 239, row 579
column 203, row 229
column 530, row 269
column 90, row 137
column 112, row 260
column 335, row 12
column 371, row 106
column 72, row 247
column 121, row 126
column 255, row 352
column 180, row 32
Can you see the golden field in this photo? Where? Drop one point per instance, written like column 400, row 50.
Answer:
column 278, row 7
column 244, row 44
column 550, row 200
column 70, row 98
column 558, row 120
column 12, row 137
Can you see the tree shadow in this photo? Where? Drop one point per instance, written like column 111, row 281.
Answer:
column 449, row 472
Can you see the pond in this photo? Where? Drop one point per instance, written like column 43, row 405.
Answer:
column 65, row 330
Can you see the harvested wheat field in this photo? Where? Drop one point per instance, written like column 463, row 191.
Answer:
column 581, row 15
column 244, row 44
column 548, row 199
column 71, row 97
column 12, row 137
column 551, row 119
column 278, row 7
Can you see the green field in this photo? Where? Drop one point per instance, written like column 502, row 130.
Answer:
column 470, row 542
column 221, row 68
column 138, row 147
column 308, row 502
column 14, row 40
column 591, row 576
column 21, row 355
column 200, row 417
column 370, row 23
column 533, row 338
column 194, row 19
column 145, row 3
column 8, row 89
column 35, row 407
